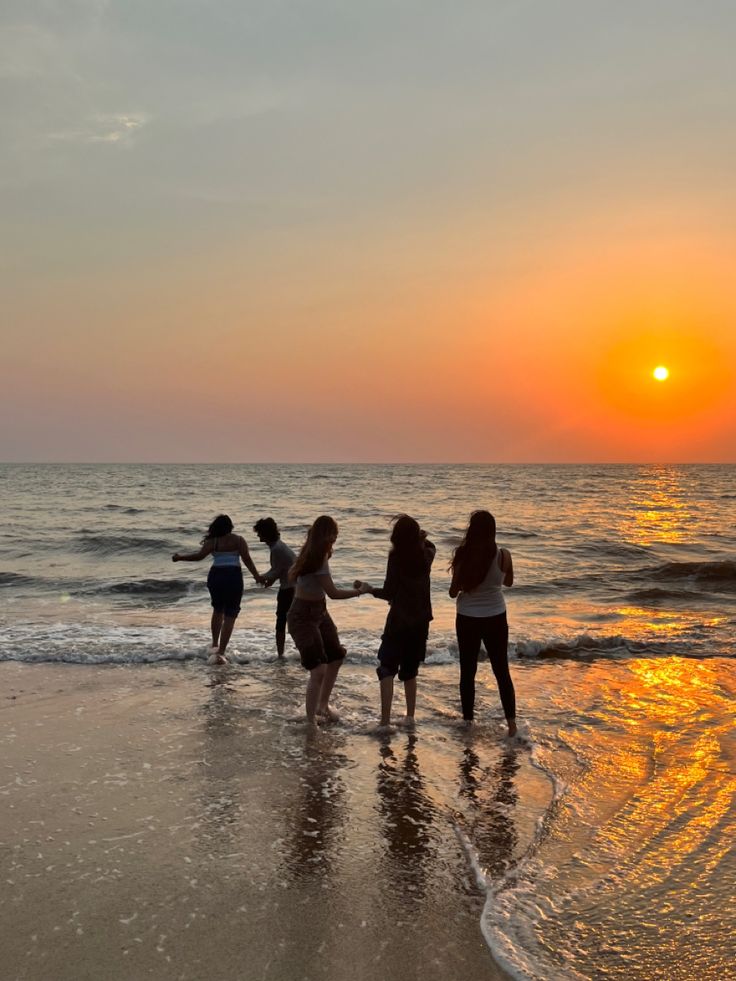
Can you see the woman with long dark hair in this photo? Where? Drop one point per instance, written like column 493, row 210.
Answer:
column 310, row 625
column 479, row 571
column 225, row 579
column 404, row 641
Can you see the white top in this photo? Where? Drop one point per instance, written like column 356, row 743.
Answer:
column 486, row 600
column 310, row 586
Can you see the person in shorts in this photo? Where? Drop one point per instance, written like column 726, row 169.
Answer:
column 407, row 589
column 282, row 559
column 225, row 579
column 310, row 625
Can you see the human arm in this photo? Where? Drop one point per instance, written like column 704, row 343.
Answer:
column 334, row 592
column 390, row 582
column 248, row 561
column 454, row 586
column 507, row 566
column 206, row 549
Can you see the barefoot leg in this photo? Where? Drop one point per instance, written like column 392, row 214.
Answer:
column 314, row 687
column 280, row 642
column 328, row 683
column 225, row 633
column 410, row 693
column 216, row 625
column 387, row 697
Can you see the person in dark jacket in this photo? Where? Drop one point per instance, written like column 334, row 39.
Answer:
column 406, row 588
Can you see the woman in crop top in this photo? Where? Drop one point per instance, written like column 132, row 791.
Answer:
column 225, row 579
column 480, row 570
column 310, row 625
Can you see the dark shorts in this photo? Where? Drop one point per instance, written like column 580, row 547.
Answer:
column 225, row 584
column 283, row 602
column 402, row 651
column 314, row 633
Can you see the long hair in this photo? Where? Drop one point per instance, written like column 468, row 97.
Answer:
column 316, row 548
column 222, row 525
column 407, row 545
column 472, row 559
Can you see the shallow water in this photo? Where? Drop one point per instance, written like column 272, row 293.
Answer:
column 600, row 842
column 610, row 560
column 180, row 815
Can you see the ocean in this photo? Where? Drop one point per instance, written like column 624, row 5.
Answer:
column 612, row 856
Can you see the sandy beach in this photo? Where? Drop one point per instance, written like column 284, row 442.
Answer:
column 154, row 825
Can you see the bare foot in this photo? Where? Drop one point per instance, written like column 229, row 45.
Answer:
column 217, row 659
column 407, row 722
column 512, row 728
column 383, row 729
column 328, row 714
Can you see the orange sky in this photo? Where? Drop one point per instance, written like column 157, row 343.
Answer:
column 484, row 267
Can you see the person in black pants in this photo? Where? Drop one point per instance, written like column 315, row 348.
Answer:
column 480, row 570
column 282, row 559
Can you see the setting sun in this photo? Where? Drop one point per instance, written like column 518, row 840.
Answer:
column 661, row 373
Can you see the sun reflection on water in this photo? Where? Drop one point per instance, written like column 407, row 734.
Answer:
column 659, row 509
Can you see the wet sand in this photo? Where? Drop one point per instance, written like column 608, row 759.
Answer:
column 162, row 823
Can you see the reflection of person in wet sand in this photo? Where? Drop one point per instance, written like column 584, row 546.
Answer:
column 220, row 770
column 408, row 814
column 491, row 792
column 315, row 818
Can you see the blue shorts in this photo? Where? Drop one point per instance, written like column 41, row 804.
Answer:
column 402, row 652
column 225, row 584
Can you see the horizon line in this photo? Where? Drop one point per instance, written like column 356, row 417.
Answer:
column 368, row 463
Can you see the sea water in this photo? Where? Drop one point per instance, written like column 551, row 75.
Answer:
column 622, row 624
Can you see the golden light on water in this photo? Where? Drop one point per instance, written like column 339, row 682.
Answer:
column 659, row 509
column 661, row 373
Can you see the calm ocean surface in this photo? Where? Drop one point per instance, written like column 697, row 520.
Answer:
column 623, row 631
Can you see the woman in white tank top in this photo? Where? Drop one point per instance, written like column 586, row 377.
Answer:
column 480, row 570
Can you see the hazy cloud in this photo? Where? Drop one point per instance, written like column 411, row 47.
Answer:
column 105, row 128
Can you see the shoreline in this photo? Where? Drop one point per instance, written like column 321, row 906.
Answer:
column 159, row 825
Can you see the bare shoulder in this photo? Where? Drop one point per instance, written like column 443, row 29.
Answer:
column 229, row 542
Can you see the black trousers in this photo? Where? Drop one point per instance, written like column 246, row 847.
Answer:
column 494, row 632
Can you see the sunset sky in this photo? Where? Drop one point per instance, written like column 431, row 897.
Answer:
column 410, row 231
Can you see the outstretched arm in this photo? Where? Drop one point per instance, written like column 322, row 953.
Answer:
column 388, row 590
column 334, row 592
column 206, row 549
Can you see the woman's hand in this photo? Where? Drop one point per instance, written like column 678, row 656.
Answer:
column 362, row 587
